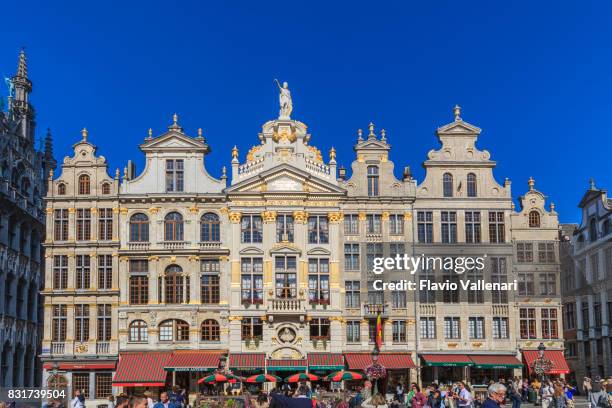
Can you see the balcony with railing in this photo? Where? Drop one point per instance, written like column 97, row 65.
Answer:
column 374, row 309
column 175, row 244
column 427, row 309
column 139, row 246
column 103, row 347
column 58, row 348
column 285, row 306
column 209, row 245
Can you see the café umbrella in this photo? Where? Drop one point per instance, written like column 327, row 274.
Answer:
column 301, row 377
column 344, row 376
column 216, row 378
column 260, row 378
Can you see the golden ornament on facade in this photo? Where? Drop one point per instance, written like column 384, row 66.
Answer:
column 71, row 210
column 284, row 133
column 49, row 210
column 300, row 217
column 317, row 153
column 93, row 210
column 193, row 210
column 335, row 217
column 251, row 154
column 235, row 152
column 153, row 210
column 124, row 211
column 452, row 345
column 223, row 211
column 407, row 216
column 362, row 216
column 154, row 258
column 478, row 344
column 385, row 216
column 235, row 217
column 81, row 348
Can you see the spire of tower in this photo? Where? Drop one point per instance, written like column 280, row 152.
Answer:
column 22, row 66
column 19, row 105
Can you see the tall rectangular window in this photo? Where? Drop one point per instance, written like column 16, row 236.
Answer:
column 396, row 224
column 475, row 295
column 451, row 296
column 452, row 328
column 373, row 187
column 398, row 299
column 251, row 229
column 351, row 224
column 351, row 257
column 476, row 328
column 210, row 289
column 546, row 252
column 472, row 227
column 60, row 272
column 427, row 327
column 319, row 328
column 426, row 295
column 252, row 328
column 397, row 248
column 81, row 322
column 285, row 276
column 499, row 274
column 105, row 224
column 60, row 226
column 83, row 224
column 373, row 223
column 497, row 232
column 318, row 229
column 58, row 328
column 104, row 322
column 594, row 261
column 83, row 272
column 318, row 281
column 527, row 323
column 372, row 331
column 105, row 271
column 548, row 284
column 284, row 228
column 353, row 331
column 80, row 381
column 174, row 175
column 500, row 328
column 352, row 294
column 104, row 385
column 569, row 316
column 526, row 286
column 449, row 227
column 549, row 324
column 399, row 331
column 425, row 226
column 524, row 252
column 252, row 280
column 139, row 290
column 374, row 250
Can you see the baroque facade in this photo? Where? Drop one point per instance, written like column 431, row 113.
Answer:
column 587, row 295
column 22, row 219
column 273, row 271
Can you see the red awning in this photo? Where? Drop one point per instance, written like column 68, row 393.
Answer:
column 391, row 361
column 495, row 361
column 141, row 369
column 325, row 361
column 447, row 360
column 559, row 365
column 287, row 364
column 82, row 366
column 247, row 360
column 189, row 360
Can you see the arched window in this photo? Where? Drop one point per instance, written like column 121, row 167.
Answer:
column 593, row 230
column 176, row 285
column 471, row 185
column 534, row 219
column 447, row 184
column 373, row 181
column 84, row 185
column 173, row 227
column 139, row 228
column 61, row 189
column 105, row 188
column 138, row 331
column 174, row 330
column 210, row 229
column 210, row 330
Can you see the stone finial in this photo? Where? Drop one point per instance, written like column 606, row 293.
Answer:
column 51, row 174
column 592, row 184
column 150, row 134
column 457, row 112
column 359, row 134
column 175, row 119
column 552, row 207
column 84, row 133
column 332, row 154
column 125, row 173
column 200, row 134
column 223, row 172
column 235, row 152
column 531, row 183
column 407, row 173
column 371, row 134
column 383, row 135
column 117, row 173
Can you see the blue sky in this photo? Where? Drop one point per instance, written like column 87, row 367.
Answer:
column 535, row 76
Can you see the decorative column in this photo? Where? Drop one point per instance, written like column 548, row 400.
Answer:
column 71, row 224
column 154, row 287
column 94, row 224
column 234, row 218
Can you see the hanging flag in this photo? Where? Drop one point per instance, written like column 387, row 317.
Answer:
column 379, row 331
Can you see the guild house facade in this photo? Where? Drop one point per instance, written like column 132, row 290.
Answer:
column 270, row 267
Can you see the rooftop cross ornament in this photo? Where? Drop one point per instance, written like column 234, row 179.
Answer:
column 284, row 98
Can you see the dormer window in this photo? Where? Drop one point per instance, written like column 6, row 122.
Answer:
column 105, row 188
column 174, row 175
column 84, row 184
column 447, row 184
column 61, row 189
column 471, row 185
column 534, row 219
column 373, row 190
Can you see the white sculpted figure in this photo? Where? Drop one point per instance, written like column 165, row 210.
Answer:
column 286, row 104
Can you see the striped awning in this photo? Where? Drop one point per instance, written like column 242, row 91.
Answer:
column 287, row 365
column 190, row 360
column 559, row 365
column 391, row 361
column 325, row 361
column 141, row 369
column 82, row 366
column 247, row 360
column 447, row 360
column 495, row 361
